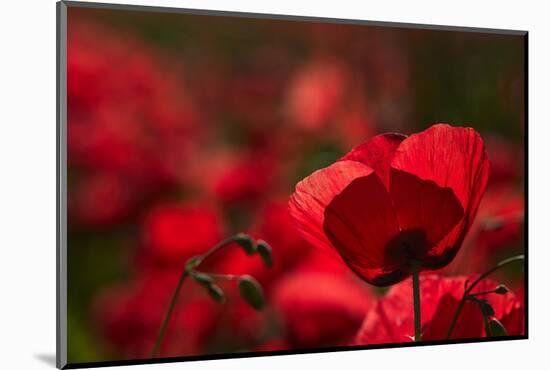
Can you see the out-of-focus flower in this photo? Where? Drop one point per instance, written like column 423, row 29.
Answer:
column 128, row 114
column 172, row 233
column 321, row 309
column 354, row 123
column 247, row 181
column 244, row 324
column 315, row 93
column 276, row 227
column 424, row 190
column 500, row 218
column 129, row 316
column 496, row 231
column 391, row 319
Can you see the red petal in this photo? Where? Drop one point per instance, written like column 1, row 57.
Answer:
column 377, row 153
column 391, row 320
column 314, row 193
column 452, row 157
column 426, row 213
column 360, row 222
column 321, row 309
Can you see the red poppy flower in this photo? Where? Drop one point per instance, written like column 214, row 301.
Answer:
column 391, row 319
column 129, row 114
column 173, row 233
column 321, row 309
column 396, row 199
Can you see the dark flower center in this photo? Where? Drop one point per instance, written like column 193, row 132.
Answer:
column 407, row 246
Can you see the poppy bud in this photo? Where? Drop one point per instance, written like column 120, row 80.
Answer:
column 485, row 307
column 265, row 252
column 202, row 278
column 246, row 242
column 501, row 289
column 495, row 328
column 216, row 292
column 251, row 291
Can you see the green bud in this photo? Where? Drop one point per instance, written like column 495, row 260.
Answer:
column 495, row 328
column 216, row 292
column 202, row 278
column 246, row 242
column 501, row 289
column 251, row 292
column 486, row 308
column 265, row 252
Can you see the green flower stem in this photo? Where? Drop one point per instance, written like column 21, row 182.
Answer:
column 166, row 319
column 219, row 246
column 519, row 258
column 416, row 301
column 483, row 293
column 224, row 277
column 175, row 296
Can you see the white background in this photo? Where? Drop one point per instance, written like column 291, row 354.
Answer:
column 27, row 183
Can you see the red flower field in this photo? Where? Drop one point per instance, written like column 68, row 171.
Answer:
column 303, row 163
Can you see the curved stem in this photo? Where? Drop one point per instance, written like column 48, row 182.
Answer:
column 470, row 287
column 483, row 293
column 166, row 319
column 416, row 303
column 175, row 296
column 219, row 246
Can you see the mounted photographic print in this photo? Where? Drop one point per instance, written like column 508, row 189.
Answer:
column 235, row 185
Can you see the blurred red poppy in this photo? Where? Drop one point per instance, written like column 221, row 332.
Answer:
column 391, row 319
column 129, row 317
column 247, row 181
column 129, row 118
column 395, row 199
column 496, row 232
column 501, row 217
column 172, row 233
column 321, row 309
column 315, row 93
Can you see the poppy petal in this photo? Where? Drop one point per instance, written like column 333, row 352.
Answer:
column 360, row 222
column 377, row 153
column 426, row 213
column 452, row 157
column 314, row 193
